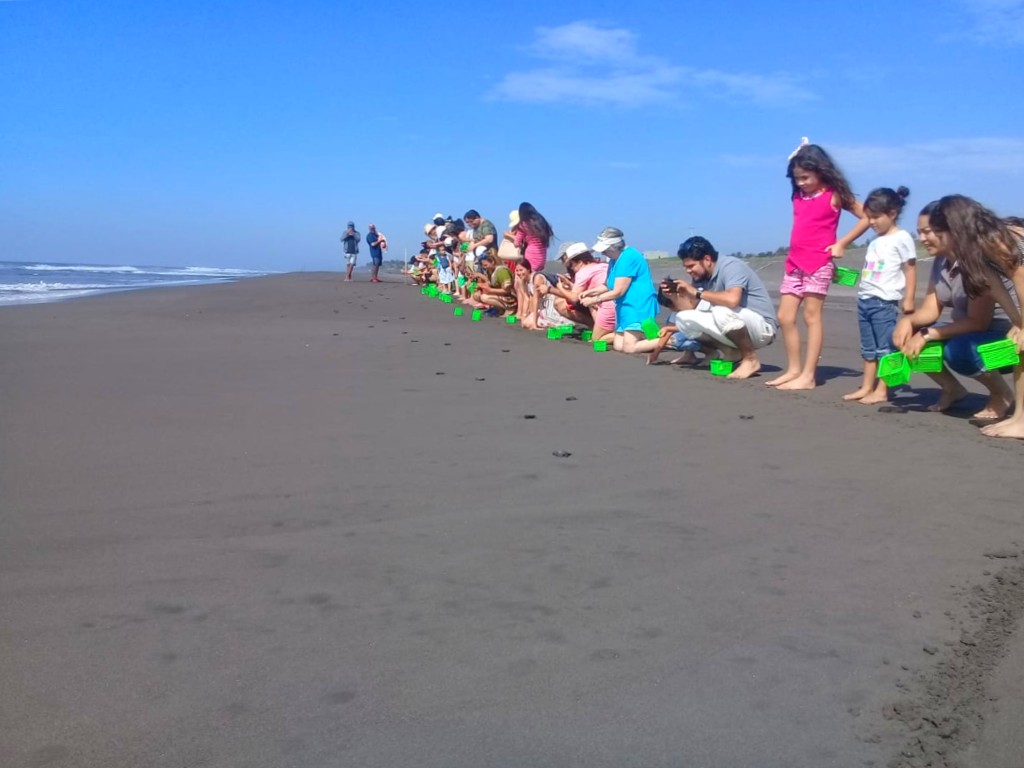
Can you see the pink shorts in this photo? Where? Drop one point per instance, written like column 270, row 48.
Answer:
column 800, row 283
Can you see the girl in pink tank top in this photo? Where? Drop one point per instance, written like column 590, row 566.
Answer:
column 820, row 195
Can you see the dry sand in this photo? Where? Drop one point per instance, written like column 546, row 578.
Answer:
column 294, row 522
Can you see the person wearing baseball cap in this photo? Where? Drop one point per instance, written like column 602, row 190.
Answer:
column 628, row 283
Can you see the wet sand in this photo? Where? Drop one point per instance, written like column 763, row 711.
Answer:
column 296, row 522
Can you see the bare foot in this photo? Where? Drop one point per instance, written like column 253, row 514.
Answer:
column 858, row 394
column 995, row 408
column 799, row 383
column 687, row 358
column 732, row 355
column 746, row 369
column 948, row 399
column 652, row 356
column 1012, row 427
column 778, row 381
column 874, row 398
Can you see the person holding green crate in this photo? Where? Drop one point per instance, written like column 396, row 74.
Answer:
column 726, row 310
column 887, row 286
column 976, row 319
column 988, row 251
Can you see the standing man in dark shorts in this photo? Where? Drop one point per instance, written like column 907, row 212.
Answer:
column 377, row 243
column 350, row 248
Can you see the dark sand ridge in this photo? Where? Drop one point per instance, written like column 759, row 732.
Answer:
column 251, row 525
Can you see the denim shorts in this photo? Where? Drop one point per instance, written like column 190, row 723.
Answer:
column 877, row 319
column 961, row 352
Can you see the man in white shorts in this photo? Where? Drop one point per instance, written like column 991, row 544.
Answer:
column 350, row 247
column 725, row 308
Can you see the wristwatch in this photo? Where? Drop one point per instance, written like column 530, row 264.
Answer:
column 924, row 333
column 700, row 292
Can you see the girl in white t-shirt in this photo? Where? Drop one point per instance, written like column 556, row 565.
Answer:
column 887, row 285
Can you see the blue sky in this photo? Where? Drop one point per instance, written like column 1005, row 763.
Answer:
column 245, row 134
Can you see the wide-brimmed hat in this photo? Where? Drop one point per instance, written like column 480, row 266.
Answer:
column 609, row 237
column 572, row 250
column 513, row 219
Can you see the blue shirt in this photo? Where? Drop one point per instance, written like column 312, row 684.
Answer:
column 640, row 301
column 371, row 240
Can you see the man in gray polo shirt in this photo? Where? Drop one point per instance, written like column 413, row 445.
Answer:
column 725, row 308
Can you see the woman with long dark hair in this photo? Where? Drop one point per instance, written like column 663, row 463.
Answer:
column 988, row 251
column 533, row 236
column 976, row 317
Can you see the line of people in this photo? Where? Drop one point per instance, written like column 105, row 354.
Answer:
column 724, row 309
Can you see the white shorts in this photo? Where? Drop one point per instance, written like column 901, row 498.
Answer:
column 715, row 322
column 350, row 259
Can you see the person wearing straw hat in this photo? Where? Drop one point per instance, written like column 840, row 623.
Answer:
column 628, row 283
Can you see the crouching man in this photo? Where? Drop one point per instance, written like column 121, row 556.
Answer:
column 726, row 308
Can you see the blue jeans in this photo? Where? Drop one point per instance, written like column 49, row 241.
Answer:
column 877, row 320
column 961, row 352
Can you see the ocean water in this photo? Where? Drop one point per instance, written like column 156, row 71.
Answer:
column 34, row 282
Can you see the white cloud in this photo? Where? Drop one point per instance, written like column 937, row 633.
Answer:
column 596, row 65
column 995, row 21
column 936, row 158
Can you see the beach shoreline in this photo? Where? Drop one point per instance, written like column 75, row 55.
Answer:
column 291, row 521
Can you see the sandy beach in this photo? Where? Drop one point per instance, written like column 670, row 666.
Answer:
column 295, row 522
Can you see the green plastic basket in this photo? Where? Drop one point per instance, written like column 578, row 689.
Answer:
column 930, row 359
column 601, row 346
column 894, row 369
column 554, row 333
column 587, row 335
column 722, row 367
column 999, row 354
column 472, row 287
column 477, row 314
column 650, row 328
column 845, row 276
column 511, row 319
column 457, row 312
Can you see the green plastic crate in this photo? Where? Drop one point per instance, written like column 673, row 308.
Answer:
column 930, row 359
column 457, row 312
column 477, row 315
column 894, row 369
column 554, row 333
column 999, row 354
column 601, row 346
column 650, row 328
column 511, row 319
column 587, row 335
column 845, row 276
column 722, row 367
